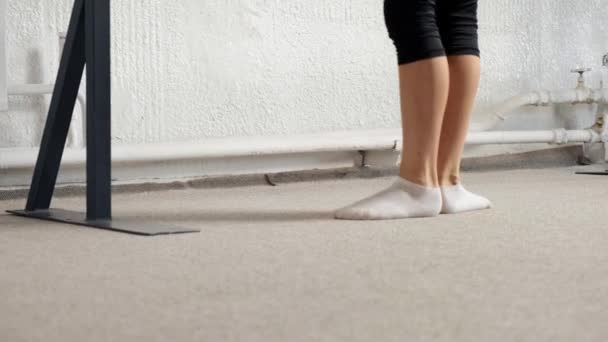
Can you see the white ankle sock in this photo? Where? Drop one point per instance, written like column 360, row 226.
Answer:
column 457, row 199
column 400, row 200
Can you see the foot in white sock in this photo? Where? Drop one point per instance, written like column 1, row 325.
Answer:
column 400, row 200
column 457, row 199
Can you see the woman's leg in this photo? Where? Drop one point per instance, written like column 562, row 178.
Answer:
column 424, row 84
column 458, row 27
column 464, row 76
column 424, row 88
column 424, row 92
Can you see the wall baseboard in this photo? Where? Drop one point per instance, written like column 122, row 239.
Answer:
column 280, row 169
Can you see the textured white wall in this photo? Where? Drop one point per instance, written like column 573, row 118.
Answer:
column 189, row 69
column 3, row 76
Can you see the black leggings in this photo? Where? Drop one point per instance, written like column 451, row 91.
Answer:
column 428, row 28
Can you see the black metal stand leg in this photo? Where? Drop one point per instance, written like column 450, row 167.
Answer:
column 87, row 42
column 97, row 28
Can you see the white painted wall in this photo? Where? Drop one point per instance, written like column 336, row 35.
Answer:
column 190, row 69
column 3, row 54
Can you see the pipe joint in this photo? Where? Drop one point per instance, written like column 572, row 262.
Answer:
column 560, row 136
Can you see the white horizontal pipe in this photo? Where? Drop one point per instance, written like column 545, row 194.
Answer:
column 44, row 89
column 388, row 139
column 219, row 148
column 558, row 136
column 30, row 89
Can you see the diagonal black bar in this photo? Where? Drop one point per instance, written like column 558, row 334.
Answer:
column 60, row 113
column 99, row 160
column 88, row 40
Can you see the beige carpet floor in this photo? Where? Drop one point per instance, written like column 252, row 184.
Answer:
column 272, row 265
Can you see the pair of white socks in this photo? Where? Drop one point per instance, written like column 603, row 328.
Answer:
column 404, row 198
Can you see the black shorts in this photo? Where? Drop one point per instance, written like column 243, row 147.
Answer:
column 428, row 28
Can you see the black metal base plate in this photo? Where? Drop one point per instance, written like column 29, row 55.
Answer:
column 597, row 173
column 123, row 226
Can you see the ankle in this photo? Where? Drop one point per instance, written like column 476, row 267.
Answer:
column 449, row 180
column 427, row 180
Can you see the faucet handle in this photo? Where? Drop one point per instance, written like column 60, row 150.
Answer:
column 581, row 76
column 581, row 71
